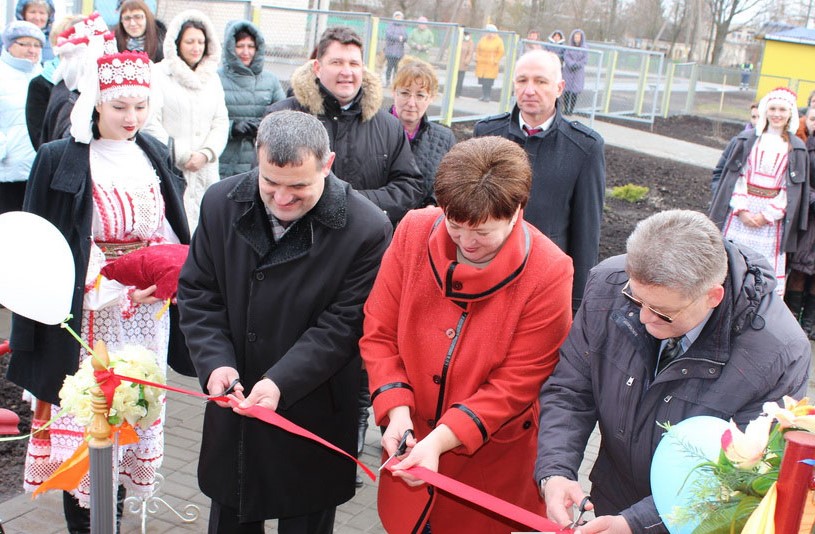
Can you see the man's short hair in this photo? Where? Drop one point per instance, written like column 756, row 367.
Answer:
column 290, row 137
column 338, row 34
column 483, row 178
column 678, row 249
column 545, row 56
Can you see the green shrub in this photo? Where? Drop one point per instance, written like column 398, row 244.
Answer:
column 629, row 192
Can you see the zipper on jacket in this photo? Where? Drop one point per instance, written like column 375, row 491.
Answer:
column 629, row 384
column 450, row 350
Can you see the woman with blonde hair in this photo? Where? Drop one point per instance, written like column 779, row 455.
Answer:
column 415, row 86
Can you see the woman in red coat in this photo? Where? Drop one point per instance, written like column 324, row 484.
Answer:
column 461, row 329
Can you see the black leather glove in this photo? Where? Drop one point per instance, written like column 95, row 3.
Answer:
column 244, row 128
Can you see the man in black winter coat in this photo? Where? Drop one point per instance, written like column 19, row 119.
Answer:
column 271, row 302
column 684, row 324
column 373, row 153
column 568, row 164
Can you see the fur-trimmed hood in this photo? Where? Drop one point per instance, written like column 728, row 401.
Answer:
column 306, row 89
column 231, row 60
column 207, row 67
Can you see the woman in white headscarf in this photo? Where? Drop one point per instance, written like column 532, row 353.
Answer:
column 193, row 111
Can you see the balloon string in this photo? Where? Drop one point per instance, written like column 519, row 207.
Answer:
column 64, row 324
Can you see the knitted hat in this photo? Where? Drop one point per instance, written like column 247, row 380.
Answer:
column 398, row 15
column 491, row 28
column 119, row 75
column 20, row 28
column 782, row 95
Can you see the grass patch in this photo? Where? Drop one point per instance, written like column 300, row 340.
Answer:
column 629, row 192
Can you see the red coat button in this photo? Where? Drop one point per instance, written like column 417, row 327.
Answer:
column 458, row 286
column 450, row 333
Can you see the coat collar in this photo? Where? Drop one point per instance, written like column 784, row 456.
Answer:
column 515, row 125
column 253, row 224
column 306, row 88
column 465, row 283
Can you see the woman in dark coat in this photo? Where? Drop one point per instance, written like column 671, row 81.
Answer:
column 574, row 64
column 415, row 86
column 248, row 89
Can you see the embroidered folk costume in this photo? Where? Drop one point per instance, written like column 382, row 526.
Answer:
column 128, row 214
column 761, row 187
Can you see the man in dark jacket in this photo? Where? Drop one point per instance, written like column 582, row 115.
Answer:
column 684, row 324
column 271, row 300
column 568, row 164
column 373, row 154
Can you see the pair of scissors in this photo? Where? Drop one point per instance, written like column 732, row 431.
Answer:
column 401, row 449
column 227, row 391
column 582, row 509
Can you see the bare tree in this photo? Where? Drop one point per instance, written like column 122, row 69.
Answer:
column 722, row 14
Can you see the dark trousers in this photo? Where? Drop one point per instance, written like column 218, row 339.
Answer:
column 569, row 100
column 393, row 63
column 460, row 81
column 79, row 519
column 486, row 87
column 224, row 520
column 11, row 196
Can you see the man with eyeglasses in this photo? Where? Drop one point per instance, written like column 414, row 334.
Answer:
column 684, row 324
column 19, row 63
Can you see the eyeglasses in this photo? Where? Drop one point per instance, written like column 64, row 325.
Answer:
column 139, row 17
column 639, row 304
column 406, row 95
column 36, row 44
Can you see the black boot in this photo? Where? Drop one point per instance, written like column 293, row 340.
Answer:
column 808, row 315
column 795, row 301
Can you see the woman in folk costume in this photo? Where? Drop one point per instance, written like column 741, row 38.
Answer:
column 763, row 198
column 110, row 191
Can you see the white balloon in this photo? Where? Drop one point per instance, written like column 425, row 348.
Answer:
column 37, row 271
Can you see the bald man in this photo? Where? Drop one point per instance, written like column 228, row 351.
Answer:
column 568, row 165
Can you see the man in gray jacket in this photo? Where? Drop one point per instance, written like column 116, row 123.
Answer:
column 684, row 324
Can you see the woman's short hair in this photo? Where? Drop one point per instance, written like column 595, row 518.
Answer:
column 678, row 249
column 151, row 38
column 413, row 69
column 483, row 178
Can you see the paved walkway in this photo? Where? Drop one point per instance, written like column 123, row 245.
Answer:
column 183, row 425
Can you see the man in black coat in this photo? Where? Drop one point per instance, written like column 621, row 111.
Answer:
column 373, row 153
column 568, row 164
column 271, row 296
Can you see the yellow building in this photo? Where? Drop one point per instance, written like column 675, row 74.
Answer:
column 788, row 61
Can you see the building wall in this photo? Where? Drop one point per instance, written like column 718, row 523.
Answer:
column 787, row 64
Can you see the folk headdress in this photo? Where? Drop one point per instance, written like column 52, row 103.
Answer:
column 119, row 75
column 782, row 95
column 79, row 46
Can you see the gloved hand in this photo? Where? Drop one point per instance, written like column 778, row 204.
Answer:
column 245, row 128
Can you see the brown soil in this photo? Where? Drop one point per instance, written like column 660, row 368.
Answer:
column 671, row 185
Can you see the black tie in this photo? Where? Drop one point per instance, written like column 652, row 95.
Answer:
column 670, row 351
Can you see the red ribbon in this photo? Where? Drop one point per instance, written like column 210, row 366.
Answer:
column 485, row 500
column 442, row 482
column 108, row 381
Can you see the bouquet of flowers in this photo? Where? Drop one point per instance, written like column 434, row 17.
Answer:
column 745, row 472
column 135, row 403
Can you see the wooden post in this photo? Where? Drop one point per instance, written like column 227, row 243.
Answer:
column 101, row 454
